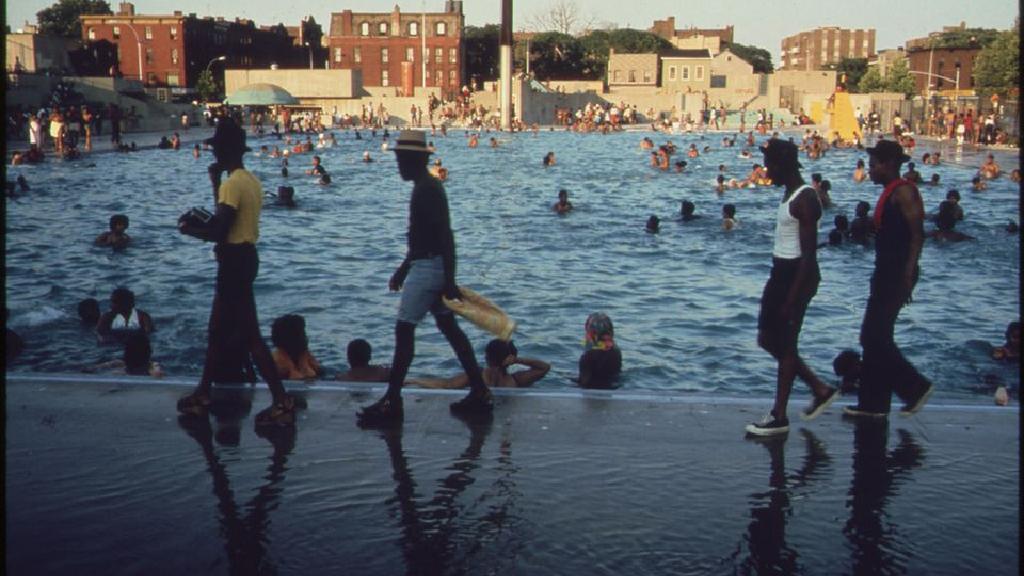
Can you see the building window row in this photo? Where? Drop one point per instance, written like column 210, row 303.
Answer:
column 413, row 29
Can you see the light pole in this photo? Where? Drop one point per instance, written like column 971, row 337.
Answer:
column 138, row 43
column 309, row 45
column 207, row 73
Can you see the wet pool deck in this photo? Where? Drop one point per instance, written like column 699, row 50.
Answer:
column 103, row 477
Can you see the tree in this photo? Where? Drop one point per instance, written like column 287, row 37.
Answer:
column 966, row 38
column 854, row 69
column 556, row 55
column 482, row 51
column 563, row 16
column 996, row 67
column 62, row 18
column 759, row 58
column 206, row 86
column 598, row 44
column 871, row 81
column 900, row 80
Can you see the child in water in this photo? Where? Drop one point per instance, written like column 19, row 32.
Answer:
column 291, row 349
column 601, row 364
column 729, row 217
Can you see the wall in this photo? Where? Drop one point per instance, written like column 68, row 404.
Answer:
column 620, row 66
column 321, row 84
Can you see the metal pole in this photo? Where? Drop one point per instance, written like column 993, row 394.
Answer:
column 423, row 42
column 957, row 97
column 505, row 50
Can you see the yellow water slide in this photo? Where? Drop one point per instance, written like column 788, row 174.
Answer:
column 841, row 118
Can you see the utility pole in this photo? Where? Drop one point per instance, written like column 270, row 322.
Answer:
column 505, row 48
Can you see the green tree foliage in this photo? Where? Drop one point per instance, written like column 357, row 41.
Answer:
column 206, row 86
column 61, row 19
column 482, row 58
column 997, row 66
column 871, row 81
column 966, row 38
column 900, row 80
column 598, row 44
column 759, row 58
column 854, row 69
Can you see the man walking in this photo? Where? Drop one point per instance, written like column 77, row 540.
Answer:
column 793, row 283
column 899, row 235
column 426, row 274
column 235, row 229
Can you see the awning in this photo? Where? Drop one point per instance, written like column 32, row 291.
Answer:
column 260, row 94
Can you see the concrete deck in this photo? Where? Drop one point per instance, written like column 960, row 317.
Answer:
column 102, row 477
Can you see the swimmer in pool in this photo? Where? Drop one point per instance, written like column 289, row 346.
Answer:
column 729, row 217
column 359, row 370
column 136, row 360
column 563, row 206
column 1015, row 175
column 116, row 237
column 653, row 225
column 89, row 312
column 438, row 171
column 601, row 363
column 549, row 159
column 841, row 232
column 359, row 367
column 946, row 223
column 499, row 356
column 990, row 169
column 860, row 174
column 366, row 157
column 291, row 352
column 123, row 317
column 686, row 211
column 720, row 184
column 1010, row 350
column 977, row 184
column 861, row 229
column 912, row 174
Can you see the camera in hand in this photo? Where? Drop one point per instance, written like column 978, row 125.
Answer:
column 195, row 221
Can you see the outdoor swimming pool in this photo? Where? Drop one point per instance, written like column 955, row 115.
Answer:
column 684, row 301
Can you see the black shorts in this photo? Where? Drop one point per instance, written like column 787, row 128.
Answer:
column 776, row 335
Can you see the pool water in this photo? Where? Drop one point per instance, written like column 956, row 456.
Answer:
column 684, row 301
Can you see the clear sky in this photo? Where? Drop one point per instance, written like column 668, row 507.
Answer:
column 762, row 23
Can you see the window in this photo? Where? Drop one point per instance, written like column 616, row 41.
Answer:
column 117, row 32
column 451, row 78
column 384, row 55
column 438, row 55
column 632, row 76
column 92, row 33
column 441, row 28
column 382, row 28
column 410, row 54
column 174, row 32
column 174, row 56
column 149, row 32
column 671, row 72
column 149, row 55
column 717, row 81
column 364, row 29
column 414, row 29
column 173, row 80
column 453, row 56
column 151, row 78
column 617, row 76
column 357, row 54
column 699, row 75
column 383, row 77
column 685, row 73
column 426, row 77
column 337, row 54
column 647, row 76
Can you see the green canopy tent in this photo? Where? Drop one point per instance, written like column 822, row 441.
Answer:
column 260, row 94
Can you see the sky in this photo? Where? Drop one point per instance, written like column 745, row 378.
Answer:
column 758, row 22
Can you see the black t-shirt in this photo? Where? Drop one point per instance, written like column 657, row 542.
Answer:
column 600, row 368
column 430, row 232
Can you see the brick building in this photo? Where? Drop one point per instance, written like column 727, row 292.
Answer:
column 667, row 29
column 943, row 64
column 173, row 50
column 388, row 47
column 823, row 47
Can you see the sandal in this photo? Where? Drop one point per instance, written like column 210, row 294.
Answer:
column 196, row 404
column 384, row 411
column 278, row 414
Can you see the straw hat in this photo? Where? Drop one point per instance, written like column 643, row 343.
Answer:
column 412, row 141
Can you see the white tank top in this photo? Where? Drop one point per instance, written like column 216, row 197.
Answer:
column 787, row 228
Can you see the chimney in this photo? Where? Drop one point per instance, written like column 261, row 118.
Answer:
column 126, row 9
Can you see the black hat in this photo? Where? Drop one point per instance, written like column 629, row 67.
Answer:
column 887, row 150
column 228, row 135
column 781, row 152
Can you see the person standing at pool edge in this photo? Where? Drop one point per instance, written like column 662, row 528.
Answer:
column 425, row 275
column 235, row 229
column 791, row 286
column 899, row 235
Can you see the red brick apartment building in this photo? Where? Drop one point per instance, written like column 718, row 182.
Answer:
column 943, row 63
column 823, row 47
column 388, row 47
column 667, row 29
column 172, row 50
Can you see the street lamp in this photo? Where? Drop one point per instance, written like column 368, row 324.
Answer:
column 309, row 45
column 212, row 60
column 138, row 42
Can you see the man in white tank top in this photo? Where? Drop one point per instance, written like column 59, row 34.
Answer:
column 793, row 282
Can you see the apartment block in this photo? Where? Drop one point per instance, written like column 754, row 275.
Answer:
column 824, row 47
